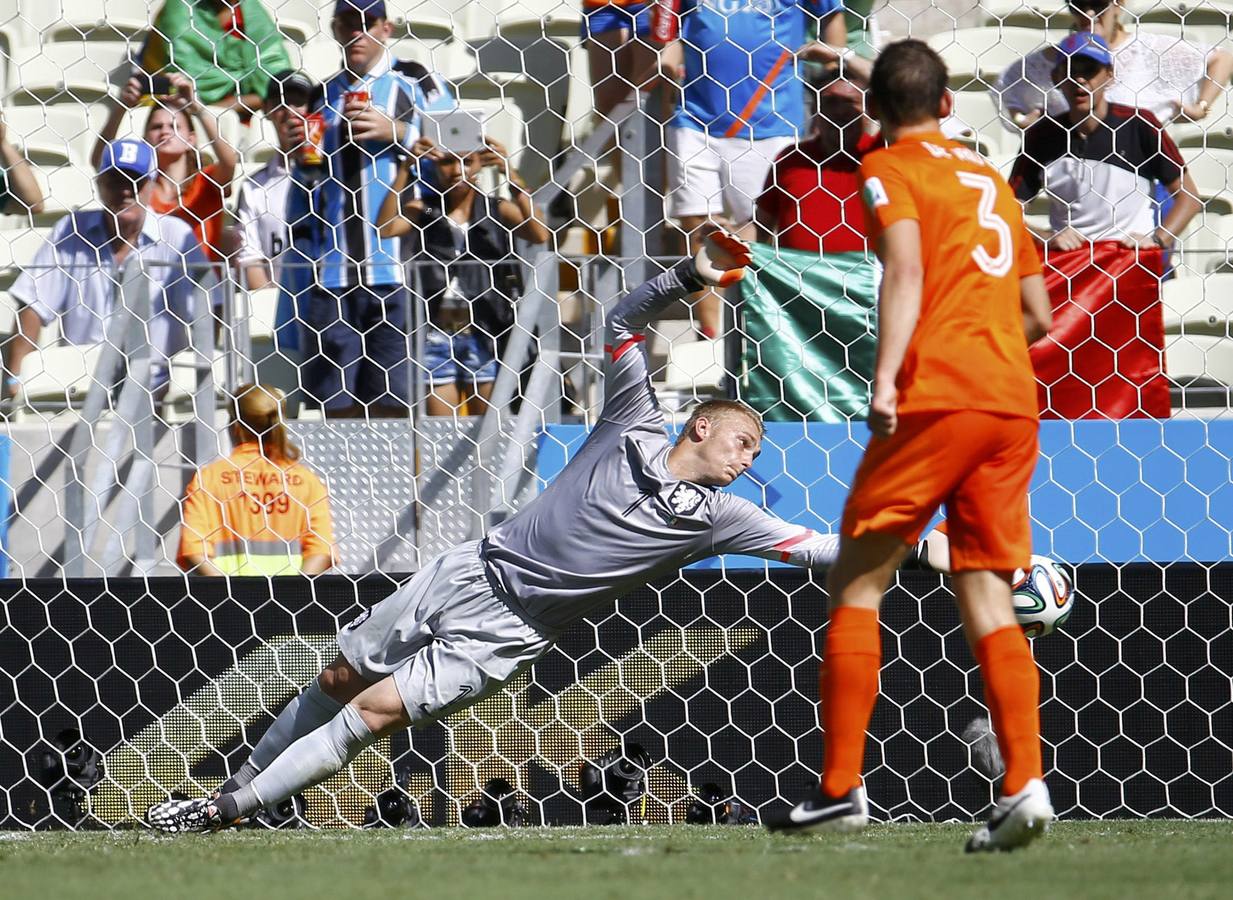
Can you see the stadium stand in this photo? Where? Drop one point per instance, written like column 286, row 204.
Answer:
column 980, row 54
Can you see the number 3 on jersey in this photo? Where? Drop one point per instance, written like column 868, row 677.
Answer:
column 996, row 265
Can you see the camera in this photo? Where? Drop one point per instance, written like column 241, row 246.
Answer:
column 68, row 770
column 153, row 85
column 612, row 782
column 285, row 815
column 498, row 804
column 710, row 806
column 393, row 808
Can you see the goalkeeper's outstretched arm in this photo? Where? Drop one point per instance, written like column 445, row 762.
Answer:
column 628, row 397
column 745, row 527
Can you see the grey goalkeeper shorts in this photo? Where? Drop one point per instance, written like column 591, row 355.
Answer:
column 447, row 639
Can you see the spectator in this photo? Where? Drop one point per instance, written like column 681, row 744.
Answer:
column 812, row 198
column 433, row 93
column 1099, row 159
column 261, row 209
column 1160, row 73
column 278, row 235
column 357, row 353
column 74, row 277
column 477, row 276
column 184, row 189
column 728, row 128
column 621, row 59
column 862, row 37
column 20, row 193
column 227, row 48
column 259, row 511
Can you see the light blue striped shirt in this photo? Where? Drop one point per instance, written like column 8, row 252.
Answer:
column 359, row 176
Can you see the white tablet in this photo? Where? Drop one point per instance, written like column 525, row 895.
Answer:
column 459, row 131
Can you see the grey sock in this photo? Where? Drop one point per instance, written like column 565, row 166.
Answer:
column 310, row 760
column 306, row 712
column 246, row 774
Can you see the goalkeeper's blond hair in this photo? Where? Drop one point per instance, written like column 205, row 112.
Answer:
column 716, row 410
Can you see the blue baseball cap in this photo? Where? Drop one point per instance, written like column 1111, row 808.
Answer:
column 1084, row 43
column 129, row 155
column 369, row 9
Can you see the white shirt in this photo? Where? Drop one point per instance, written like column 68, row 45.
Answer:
column 1155, row 72
column 261, row 211
column 74, row 278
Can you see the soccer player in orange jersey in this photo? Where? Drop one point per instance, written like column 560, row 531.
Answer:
column 954, row 422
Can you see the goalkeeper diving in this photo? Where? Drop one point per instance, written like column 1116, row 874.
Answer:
column 631, row 506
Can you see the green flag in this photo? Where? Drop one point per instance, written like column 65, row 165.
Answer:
column 809, row 334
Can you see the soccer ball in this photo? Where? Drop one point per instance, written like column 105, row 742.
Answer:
column 1043, row 596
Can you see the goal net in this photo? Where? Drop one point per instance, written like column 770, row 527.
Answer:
column 194, row 200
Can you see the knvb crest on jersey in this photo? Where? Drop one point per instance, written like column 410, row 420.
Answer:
column 684, row 499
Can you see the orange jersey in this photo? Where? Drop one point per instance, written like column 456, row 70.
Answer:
column 968, row 350
column 251, row 516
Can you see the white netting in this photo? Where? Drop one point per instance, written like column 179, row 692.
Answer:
column 457, row 353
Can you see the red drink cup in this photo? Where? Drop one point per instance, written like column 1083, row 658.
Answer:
column 313, row 152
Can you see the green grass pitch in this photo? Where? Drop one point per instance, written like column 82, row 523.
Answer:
column 1117, row 860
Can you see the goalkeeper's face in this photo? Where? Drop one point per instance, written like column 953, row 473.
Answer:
column 724, row 448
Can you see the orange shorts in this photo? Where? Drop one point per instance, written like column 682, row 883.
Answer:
column 977, row 464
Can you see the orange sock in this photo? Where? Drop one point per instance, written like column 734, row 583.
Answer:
column 1012, row 692
column 848, row 689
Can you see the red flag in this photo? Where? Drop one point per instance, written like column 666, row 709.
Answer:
column 1103, row 358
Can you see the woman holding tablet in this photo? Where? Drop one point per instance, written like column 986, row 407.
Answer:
column 468, row 271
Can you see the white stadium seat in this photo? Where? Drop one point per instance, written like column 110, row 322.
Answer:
column 67, row 187
column 259, row 141
column 1204, row 244
column 18, row 246
column 1210, row 169
column 183, row 375
column 1199, row 356
column 1192, row 12
column 1025, row 13
column 54, row 135
column 452, row 60
column 693, row 364
column 262, row 312
column 1198, row 305
column 978, row 123
column 60, row 376
column 980, row 54
column 299, row 20
column 77, row 72
column 319, row 58
column 429, row 28
column 524, row 21
column 74, row 20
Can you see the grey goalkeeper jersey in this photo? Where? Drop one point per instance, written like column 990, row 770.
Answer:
column 615, row 517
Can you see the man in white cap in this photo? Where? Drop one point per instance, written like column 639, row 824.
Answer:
column 75, row 277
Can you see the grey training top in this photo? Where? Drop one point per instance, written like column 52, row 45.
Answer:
column 615, row 517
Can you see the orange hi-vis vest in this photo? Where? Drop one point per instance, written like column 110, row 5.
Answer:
column 251, row 516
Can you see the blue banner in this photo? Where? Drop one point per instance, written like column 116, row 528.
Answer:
column 1130, row 491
